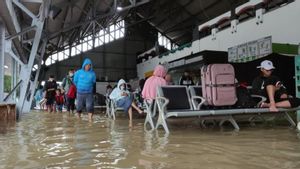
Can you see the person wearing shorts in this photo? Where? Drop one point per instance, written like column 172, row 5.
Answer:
column 84, row 80
column 272, row 88
column 49, row 88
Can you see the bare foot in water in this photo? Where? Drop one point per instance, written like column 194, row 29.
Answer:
column 130, row 124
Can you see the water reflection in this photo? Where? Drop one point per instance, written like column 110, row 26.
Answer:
column 155, row 147
column 43, row 140
column 6, row 126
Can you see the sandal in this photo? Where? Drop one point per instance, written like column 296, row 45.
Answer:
column 263, row 105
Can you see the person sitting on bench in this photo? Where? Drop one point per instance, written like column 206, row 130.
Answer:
column 123, row 99
column 270, row 86
column 151, row 84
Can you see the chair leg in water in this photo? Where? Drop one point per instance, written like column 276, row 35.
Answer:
column 232, row 121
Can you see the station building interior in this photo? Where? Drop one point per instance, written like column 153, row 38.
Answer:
column 126, row 39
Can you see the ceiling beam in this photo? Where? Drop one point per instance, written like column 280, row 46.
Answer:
column 96, row 18
column 171, row 28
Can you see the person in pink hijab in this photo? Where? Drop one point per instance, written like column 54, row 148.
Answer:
column 151, row 84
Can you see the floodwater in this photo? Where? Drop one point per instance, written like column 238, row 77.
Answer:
column 43, row 140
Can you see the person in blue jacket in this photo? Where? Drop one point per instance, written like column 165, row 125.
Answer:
column 84, row 80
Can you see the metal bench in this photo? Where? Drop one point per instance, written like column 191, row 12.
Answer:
column 175, row 101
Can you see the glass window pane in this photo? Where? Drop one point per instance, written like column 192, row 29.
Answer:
column 101, row 32
column 169, row 46
column 79, row 49
column 60, row 56
column 84, row 47
column 73, row 51
column 112, row 36
column 90, row 45
column 97, row 42
column 117, row 34
column 112, row 28
column 101, row 42
column 106, row 38
column 160, row 40
column 101, row 39
column 66, row 53
column 54, row 56
column 121, row 33
column 48, row 62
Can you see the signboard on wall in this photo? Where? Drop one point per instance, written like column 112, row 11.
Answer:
column 251, row 50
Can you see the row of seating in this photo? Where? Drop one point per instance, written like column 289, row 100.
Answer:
column 180, row 101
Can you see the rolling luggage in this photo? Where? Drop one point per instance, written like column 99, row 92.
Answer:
column 218, row 84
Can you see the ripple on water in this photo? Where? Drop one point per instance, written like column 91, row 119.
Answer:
column 43, row 140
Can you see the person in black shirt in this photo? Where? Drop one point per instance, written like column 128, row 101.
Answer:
column 186, row 79
column 272, row 88
column 50, row 87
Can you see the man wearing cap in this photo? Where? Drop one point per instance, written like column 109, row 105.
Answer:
column 271, row 87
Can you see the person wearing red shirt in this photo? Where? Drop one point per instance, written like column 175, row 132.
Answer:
column 59, row 100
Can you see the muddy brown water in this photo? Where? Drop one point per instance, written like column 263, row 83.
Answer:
column 43, row 140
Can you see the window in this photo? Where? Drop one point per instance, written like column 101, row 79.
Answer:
column 84, row 47
column 90, row 45
column 97, row 42
column 112, row 28
column 78, row 49
column 101, row 32
column 60, row 56
column 66, row 53
column 48, row 62
column 73, row 51
column 35, row 67
column 117, row 34
column 106, row 38
column 105, row 35
column 112, row 36
column 164, row 41
column 54, row 57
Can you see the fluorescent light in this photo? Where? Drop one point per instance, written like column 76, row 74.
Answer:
column 119, row 8
column 5, row 66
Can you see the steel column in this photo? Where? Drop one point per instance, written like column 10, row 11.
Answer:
column 27, row 69
column 32, row 88
column 26, row 85
column 2, row 48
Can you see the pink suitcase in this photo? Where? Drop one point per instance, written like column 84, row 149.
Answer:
column 218, row 84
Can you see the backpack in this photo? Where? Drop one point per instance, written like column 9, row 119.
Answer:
column 244, row 99
column 72, row 91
